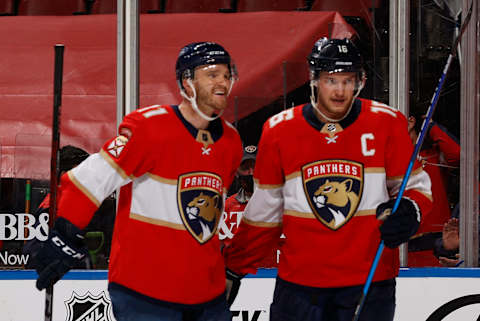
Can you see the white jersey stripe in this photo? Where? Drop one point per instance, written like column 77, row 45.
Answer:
column 374, row 186
column 113, row 164
column 266, row 206
column 296, row 203
column 148, row 200
column 418, row 180
column 96, row 178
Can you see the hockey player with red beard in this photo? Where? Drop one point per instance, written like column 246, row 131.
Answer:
column 325, row 172
column 173, row 165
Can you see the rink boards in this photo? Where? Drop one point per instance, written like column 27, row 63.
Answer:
column 83, row 296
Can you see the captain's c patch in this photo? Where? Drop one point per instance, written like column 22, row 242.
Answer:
column 333, row 189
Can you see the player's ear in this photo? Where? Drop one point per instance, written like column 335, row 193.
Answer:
column 188, row 88
column 363, row 81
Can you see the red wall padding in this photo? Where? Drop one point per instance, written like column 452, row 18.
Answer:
column 263, row 45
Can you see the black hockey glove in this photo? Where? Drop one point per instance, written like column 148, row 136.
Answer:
column 63, row 250
column 233, row 285
column 398, row 227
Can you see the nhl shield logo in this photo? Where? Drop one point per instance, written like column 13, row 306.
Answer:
column 88, row 307
column 333, row 189
column 200, row 203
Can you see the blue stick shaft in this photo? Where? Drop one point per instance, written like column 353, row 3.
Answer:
column 418, row 145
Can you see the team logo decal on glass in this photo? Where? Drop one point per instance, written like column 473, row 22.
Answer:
column 200, row 202
column 333, row 189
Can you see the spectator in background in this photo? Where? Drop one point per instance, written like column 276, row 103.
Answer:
column 235, row 204
column 440, row 152
column 446, row 248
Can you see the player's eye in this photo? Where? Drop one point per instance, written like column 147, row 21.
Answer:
column 331, row 81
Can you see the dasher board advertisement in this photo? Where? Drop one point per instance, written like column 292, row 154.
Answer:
column 82, row 295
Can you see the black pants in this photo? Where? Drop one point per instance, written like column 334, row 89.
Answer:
column 130, row 306
column 293, row 302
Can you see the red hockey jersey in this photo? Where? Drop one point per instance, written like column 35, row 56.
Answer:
column 320, row 184
column 173, row 181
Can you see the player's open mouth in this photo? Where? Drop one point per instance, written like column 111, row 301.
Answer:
column 338, row 101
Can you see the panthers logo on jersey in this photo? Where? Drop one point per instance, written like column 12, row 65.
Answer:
column 200, row 201
column 333, row 189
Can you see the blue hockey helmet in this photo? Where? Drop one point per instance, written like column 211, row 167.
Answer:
column 198, row 54
column 335, row 55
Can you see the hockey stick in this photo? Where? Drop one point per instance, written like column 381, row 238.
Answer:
column 54, row 161
column 418, row 145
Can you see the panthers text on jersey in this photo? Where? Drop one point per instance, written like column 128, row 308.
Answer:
column 173, row 180
column 320, row 185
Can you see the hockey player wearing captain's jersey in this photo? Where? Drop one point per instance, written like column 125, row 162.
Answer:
column 173, row 165
column 324, row 172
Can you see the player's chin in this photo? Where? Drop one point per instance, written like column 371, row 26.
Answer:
column 220, row 103
column 338, row 109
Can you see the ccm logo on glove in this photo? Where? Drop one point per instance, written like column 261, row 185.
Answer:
column 67, row 249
